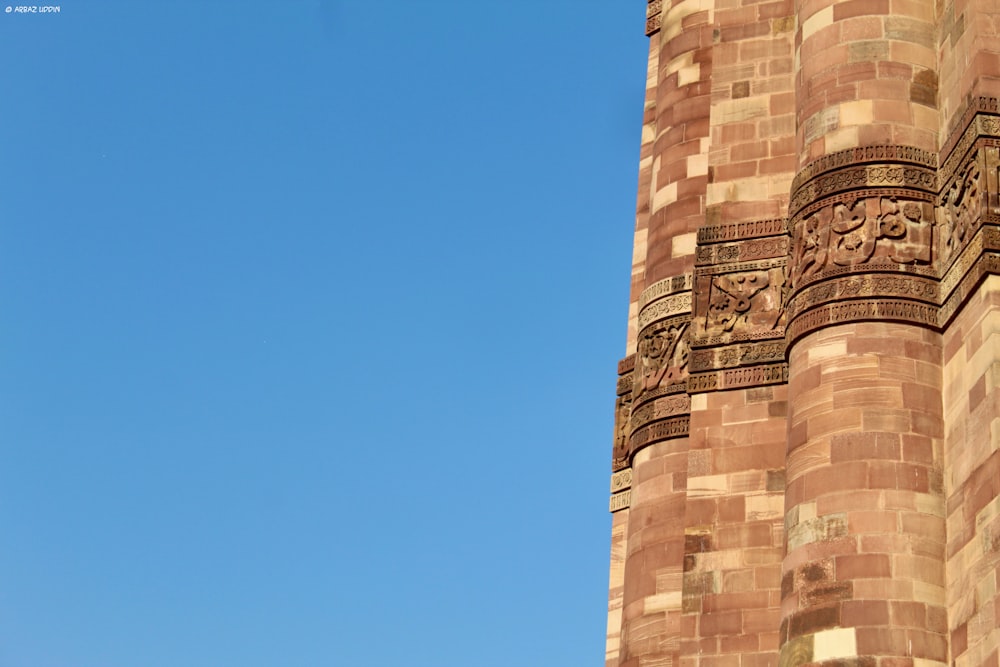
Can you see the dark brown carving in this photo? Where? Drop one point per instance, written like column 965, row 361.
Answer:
column 745, row 354
column 662, row 356
column 670, row 428
column 849, row 234
column 865, row 154
column 865, row 285
column 854, row 311
column 959, row 209
column 626, row 365
column 703, row 382
column 742, row 230
column 730, row 297
column 668, row 406
column 740, row 305
column 985, row 264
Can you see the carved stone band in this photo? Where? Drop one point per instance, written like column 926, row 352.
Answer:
column 766, row 248
column 626, row 365
column 677, row 427
column 621, row 480
column 854, row 178
column 979, row 128
column 661, row 408
column 665, row 287
column 738, row 378
column 985, row 264
column 864, row 154
column 892, row 310
column 654, row 10
column 670, row 306
column 740, row 231
column 864, row 286
column 732, row 356
column 620, row 501
column 865, row 233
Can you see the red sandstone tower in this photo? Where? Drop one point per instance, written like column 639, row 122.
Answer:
column 805, row 464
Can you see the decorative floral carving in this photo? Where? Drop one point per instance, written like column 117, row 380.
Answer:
column 959, row 208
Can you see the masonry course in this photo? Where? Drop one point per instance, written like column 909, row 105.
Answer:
column 806, row 456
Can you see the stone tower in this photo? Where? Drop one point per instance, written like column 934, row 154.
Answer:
column 805, row 462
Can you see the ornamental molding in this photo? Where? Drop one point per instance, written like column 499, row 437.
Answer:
column 738, row 378
column 753, row 249
column 865, row 286
column 883, row 233
column 891, row 310
column 620, row 501
column 621, row 480
column 626, row 365
column 665, row 307
column 665, row 287
column 736, row 355
column 886, row 241
column 889, row 154
column 676, row 427
column 902, row 177
column 984, row 264
column 620, row 451
column 654, row 10
column 661, row 408
column 740, row 230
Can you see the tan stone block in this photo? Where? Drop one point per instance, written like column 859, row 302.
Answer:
column 697, row 165
column 739, row 110
column 841, row 139
column 671, row 21
column 986, row 587
column 688, row 75
column 858, row 112
column 683, row 245
column 664, row 196
column 677, row 63
column 817, row 21
column 929, row 503
column 930, row 594
column 913, row 54
column 707, row 485
column 662, row 602
column 834, row 643
column 718, row 561
column 833, row 349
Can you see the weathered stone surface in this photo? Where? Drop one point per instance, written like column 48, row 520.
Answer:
column 806, row 467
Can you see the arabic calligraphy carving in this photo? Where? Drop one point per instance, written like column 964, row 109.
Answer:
column 887, row 229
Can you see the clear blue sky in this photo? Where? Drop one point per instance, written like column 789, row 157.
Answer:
column 309, row 316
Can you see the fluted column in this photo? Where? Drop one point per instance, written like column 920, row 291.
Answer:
column 863, row 574
column 657, row 443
